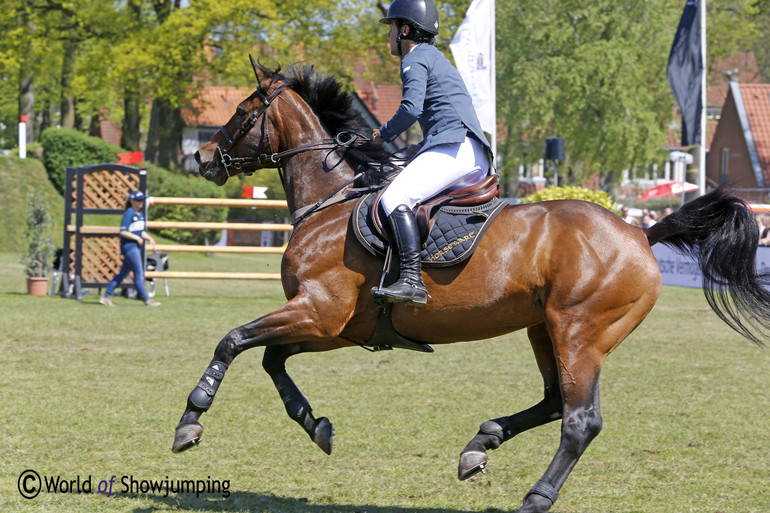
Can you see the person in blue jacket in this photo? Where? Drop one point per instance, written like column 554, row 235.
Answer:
column 454, row 152
column 132, row 236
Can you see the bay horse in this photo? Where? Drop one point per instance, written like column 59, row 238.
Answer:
column 573, row 274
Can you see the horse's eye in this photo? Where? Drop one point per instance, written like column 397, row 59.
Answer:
column 241, row 112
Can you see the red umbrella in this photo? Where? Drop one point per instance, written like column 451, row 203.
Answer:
column 668, row 189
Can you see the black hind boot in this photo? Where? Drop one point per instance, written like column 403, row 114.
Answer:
column 409, row 287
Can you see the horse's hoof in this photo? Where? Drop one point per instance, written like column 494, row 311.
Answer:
column 322, row 435
column 471, row 463
column 187, row 436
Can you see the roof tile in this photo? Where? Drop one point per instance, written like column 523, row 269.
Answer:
column 756, row 100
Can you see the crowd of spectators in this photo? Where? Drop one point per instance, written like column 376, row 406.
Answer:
column 648, row 217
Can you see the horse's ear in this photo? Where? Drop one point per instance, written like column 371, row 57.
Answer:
column 256, row 72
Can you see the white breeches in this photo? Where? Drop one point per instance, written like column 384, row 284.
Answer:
column 447, row 166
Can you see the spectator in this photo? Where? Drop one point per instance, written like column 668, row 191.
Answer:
column 132, row 237
column 763, row 221
column 647, row 220
column 628, row 217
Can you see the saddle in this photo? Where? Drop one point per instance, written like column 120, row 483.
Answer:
column 451, row 224
column 426, row 213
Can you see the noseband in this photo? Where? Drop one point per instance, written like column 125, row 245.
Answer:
column 226, row 159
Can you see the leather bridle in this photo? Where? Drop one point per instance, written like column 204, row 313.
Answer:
column 227, row 159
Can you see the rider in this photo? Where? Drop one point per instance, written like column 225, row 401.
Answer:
column 454, row 152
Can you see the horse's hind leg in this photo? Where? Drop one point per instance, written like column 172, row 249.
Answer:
column 297, row 407
column 492, row 433
column 581, row 423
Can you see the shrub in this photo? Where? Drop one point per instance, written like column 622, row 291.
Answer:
column 64, row 147
column 39, row 252
column 161, row 182
column 571, row 192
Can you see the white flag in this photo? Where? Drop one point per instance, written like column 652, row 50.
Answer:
column 472, row 50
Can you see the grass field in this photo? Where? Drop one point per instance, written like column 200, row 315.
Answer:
column 91, row 391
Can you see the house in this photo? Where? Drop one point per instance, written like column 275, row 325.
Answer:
column 740, row 150
column 210, row 109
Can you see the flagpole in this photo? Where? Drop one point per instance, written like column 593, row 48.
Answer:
column 704, row 104
column 493, row 81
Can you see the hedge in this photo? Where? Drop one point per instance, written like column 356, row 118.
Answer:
column 571, row 192
column 65, row 147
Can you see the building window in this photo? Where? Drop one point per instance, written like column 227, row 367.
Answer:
column 725, row 165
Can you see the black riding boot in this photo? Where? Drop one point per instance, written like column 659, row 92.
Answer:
column 409, row 287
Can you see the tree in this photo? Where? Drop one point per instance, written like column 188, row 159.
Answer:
column 593, row 73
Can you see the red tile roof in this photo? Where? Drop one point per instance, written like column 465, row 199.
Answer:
column 743, row 66
column 214, row 105
column 756, row 100
column 382, row 99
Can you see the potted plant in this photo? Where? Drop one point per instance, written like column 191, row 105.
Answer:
column 37, row 257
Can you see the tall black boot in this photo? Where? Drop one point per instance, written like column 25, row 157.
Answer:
column 409, row 287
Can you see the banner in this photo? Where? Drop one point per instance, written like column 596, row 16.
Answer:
column 472, row 50
column 685, row 72
column 134, row 157
column 254, row 192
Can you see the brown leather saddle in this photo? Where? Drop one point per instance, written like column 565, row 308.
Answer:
column 426, row 213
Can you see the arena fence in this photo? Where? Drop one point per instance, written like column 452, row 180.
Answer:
column 91, row 254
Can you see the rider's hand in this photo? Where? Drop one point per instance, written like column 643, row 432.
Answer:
column 376, row 137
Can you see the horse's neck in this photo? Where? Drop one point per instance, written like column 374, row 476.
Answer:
column 311, row 176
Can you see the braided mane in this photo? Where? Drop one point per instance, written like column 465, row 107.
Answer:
column 332, row 102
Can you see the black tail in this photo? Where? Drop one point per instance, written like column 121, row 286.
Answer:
column 720, row 232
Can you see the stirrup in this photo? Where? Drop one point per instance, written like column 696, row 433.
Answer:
column 418, row 296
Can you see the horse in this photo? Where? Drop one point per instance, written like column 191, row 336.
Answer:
column 573, row 274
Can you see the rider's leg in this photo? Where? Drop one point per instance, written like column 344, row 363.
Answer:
column 444, row 167
column 409, row 287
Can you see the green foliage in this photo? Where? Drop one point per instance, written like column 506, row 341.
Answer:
column 161, row 182
column 263, row 178
column 593, row 74
column 576, row 193
column 63, row 147
column 37, row 257
column 18, row 179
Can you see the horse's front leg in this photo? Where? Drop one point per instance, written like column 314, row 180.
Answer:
column 297, row 406
column 294, row 322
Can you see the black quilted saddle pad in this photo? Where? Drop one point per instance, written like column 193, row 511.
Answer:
column 453, row 238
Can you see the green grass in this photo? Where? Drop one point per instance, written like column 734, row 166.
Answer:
column 91, row 391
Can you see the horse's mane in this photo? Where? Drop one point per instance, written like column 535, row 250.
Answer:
column 332, row 102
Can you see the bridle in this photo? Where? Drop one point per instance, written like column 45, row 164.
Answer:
column 227, row 160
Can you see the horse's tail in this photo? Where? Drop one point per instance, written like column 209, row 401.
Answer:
column 720, row 232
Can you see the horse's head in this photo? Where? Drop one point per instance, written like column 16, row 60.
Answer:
column 242, row 145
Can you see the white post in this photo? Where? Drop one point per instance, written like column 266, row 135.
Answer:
column 704, row 104
column 23, row 137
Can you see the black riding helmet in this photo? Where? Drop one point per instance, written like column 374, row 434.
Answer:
column 422, row 13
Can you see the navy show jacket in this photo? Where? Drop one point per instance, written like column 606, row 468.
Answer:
column 434, row 94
